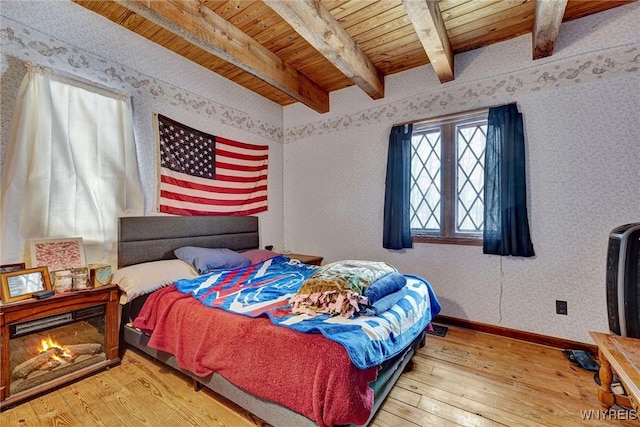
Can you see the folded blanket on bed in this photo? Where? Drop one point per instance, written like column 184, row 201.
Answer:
column 352, row 275
column 384, row 286
column 385, row 303
column 339, row 288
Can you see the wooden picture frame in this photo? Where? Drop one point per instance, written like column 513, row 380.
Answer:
column 21, row 284
column 6, row 268
column 58, row 253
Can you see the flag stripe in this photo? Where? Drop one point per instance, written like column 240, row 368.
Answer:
column 195, row 212
column 170, row 183
column 210, row 201
column 240, row 145
column 229, row 178
column 196, row 196
column 240, row 167
column 232, row 160
column 227, row 210
column 220, row 152
column 221, row 179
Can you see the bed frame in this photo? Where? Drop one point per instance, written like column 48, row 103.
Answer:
column 152, row 238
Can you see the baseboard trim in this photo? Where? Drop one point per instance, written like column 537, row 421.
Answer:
column 517, row 334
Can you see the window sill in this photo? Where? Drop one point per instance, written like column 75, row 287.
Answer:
column 465, row 241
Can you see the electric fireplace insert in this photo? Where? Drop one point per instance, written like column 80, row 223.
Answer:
column 47, row 343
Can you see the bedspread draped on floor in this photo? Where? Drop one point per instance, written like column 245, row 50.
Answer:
column 320, row 382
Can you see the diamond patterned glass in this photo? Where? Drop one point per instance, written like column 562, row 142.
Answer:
column 426, row 192
column 470, row 145
column 447, row 178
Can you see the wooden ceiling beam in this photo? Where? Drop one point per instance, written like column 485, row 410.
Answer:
column 427, row 20
column 200, row 26
column 549, row 14
column 320, row 29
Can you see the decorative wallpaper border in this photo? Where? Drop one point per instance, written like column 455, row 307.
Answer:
column 31, row 45
column 483, row 92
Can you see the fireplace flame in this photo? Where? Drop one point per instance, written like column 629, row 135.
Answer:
column 48, row 343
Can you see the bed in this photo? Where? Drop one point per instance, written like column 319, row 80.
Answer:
column 145, row 240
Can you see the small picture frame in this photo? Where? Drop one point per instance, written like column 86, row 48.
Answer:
column 99, row 275
column 21, row 284
column 57, row 254
column 6, row 268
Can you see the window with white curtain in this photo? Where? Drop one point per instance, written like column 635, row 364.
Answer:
column 70, row 168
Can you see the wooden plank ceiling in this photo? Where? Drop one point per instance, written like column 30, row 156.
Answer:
column 301, row 50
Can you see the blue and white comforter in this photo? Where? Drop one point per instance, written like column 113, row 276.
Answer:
column 265, row 289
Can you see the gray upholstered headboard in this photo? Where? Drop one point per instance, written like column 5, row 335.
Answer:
column 153, row 238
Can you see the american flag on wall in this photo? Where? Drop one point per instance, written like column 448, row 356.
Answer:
column 202, row 174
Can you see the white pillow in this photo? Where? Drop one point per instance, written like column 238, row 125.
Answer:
column 140, row 279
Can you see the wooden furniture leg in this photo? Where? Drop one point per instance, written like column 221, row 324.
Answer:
column 605, row 395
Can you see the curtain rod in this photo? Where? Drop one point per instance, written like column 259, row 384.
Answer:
column 67, row 77
column 446, row 116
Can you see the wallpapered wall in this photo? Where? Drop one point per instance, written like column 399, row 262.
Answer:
column 62, row 35
column 581, row 109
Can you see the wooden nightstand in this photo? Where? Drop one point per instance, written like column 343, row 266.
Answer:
column 622, row 356
column 307, row 259
column 83, row 323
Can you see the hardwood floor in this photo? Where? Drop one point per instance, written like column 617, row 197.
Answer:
column 467, row 378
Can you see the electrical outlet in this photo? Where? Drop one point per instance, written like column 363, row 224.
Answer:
column 561, row 307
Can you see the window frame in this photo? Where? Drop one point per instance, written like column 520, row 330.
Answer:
column 448, row 180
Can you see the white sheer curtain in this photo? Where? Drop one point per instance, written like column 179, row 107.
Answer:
column 70, row 168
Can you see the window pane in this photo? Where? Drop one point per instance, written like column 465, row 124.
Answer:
column 470, row 144
column 447, row 179
column 425, row 179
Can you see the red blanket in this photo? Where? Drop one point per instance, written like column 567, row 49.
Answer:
column 304, row 372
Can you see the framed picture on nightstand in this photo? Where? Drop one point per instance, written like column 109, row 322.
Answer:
column 21, row 284
column 57, row 254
